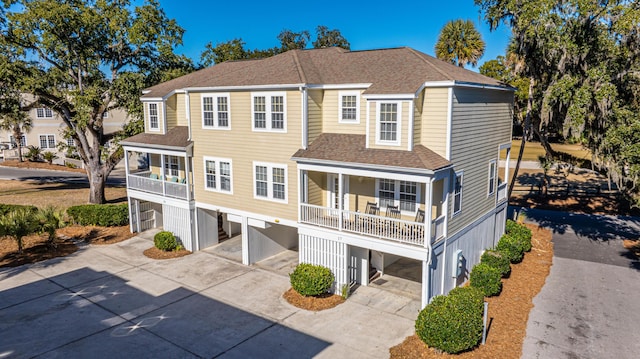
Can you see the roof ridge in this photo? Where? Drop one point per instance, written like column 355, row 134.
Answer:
column 429, row 63
column 303, row 78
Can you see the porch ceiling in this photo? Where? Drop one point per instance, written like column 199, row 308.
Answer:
column 334, row 147
column 176, row 139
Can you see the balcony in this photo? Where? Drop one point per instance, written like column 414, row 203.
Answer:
column 381, row 227
column 502, row 192
column 143, row 181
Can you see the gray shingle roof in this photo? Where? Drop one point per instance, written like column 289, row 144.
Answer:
column 398, row 70
column 334, row 147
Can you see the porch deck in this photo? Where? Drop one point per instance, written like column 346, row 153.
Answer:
column 143, row 181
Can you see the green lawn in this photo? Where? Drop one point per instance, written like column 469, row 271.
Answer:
column 532, row 150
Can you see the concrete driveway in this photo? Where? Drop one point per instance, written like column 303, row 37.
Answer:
column 111, row 302
column 588, row 307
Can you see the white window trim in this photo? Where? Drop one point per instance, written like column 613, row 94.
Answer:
column 267, row 99
column 453, row 201
column 166, row 161
column 396, row 195
column 217, row 160
column 148, row 113
column 398, row 129
column 46, row 137
column 349, row 93
column 215, row 97
column 270, row 167
column 492, row 175
column 44, row 112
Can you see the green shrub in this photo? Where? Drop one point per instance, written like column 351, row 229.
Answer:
column 49, row 157
column 6, row 208
column 498, row 261
column 511, row 248
column 452, row 323
column 486, row 278
column 521, row 233
column 165, row 241
column 309, row 280
column 105, row 215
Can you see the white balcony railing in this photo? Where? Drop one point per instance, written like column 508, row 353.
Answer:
column 502, row 191
column 142, row 182
column 364, row 224
column 437, row 228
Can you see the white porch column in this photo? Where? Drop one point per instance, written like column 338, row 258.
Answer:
column 428, row 213
column 245, row 241
column 340, row 201
column 162, row 173
column 426, row 282
column 187, row 171
column 445, row 206
column 126, row 167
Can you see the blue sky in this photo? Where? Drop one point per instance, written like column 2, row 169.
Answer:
column 366, row 25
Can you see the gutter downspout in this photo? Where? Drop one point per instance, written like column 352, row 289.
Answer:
column 428, row 240
column 305, row 117
column 187, row 110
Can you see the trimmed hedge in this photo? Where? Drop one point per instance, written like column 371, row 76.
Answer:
column 486, row 278
column 6, row 208
column 452, row 323
column 105, row 215
column 521, row 233
column 165, row 241
column 311, row 280
column 498, row 261
column 511, row 248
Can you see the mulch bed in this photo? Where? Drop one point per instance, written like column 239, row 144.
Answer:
column 95, row 234
column 322, row 302
column 508, row 312
column 633, row 246
column 155, row 253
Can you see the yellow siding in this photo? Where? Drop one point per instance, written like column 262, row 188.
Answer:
column 317, row 188
column 314, row 105
column 331, row 116
column 181, row 110
column 433, row 130
column 172, row 115
column 244, row 146
column 403, row 126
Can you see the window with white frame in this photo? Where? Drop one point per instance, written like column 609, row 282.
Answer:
column 269, row 111
column 215, row 111
column 457, row 193
column 388, row 123
column 14, row 144
column 270, row 181
column 218, row 174
column 47, row 141
column 105, row 114
column 154, row 124
column 349, row 107
column 44, row 112
column 404, row 194
column 492, row 177
column 71, row 142
column 171, row 166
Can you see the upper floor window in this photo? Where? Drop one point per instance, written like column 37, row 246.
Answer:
column 388, row 123
column 492, row 177
column 269, row 111
column 457, row 193
column 14, row 144
column 47, row 141
column 349, row 107
column 217, row 174
column 71, row 142
column 44, row 112
column 270, row 181
column 402, row 194
column 215, row 111
column 154, row 124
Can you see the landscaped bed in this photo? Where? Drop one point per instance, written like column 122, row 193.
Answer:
column 508, row 312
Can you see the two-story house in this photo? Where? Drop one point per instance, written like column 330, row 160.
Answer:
column 355, row 158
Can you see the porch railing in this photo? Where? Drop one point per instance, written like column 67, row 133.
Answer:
column 142, row 182
column 364, row 224
column 437, row 228
column 502, row 191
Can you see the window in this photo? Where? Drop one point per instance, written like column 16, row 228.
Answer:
column 404, row 194
column 105, row 114
column 215, row 111
column 269, row 112
column 217, row 174
column 14, row 144
column 270, row 181
column 47, row 141
column 71, row 142
column 153, row 117
column 457, row 194
column 171, row 166
column 349, row 107
column 44, row 112
column 388, row 124
column 492, row 177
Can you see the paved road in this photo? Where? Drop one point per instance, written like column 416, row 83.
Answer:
column 117, row 176
column 588, row 307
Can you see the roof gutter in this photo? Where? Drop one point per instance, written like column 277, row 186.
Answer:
column 368, row 166
column 454, row 83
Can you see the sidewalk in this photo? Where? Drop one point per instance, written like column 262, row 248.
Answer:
column 112, row 301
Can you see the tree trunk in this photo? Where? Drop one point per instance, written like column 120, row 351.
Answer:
column 549, row 152
column 525, row 130
column 97, row 182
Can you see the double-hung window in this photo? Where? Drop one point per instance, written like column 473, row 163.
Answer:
column 492, row 177
column 457, row 193
column 154, row 124
column 349, row 107
column 217, row 173
column 216, row 111
column 14, row 144
column 270, row 181
column 171, row 166
column 269, row 111
column 404, row 194
column 388, row 123
column 44, row 112
column 47, row 141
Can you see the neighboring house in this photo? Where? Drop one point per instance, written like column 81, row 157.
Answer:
column 356, row 159
column 48, row 131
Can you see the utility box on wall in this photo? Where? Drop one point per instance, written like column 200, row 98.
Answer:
column 458, row 264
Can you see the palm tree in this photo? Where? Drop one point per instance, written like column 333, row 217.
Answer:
column 18, row 123
column 18, row 224
column 460, row 43
column 50, row 219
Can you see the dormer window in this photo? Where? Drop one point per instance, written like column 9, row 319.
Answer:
column 154, row 124
column 388, row 123
column 349, row 107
